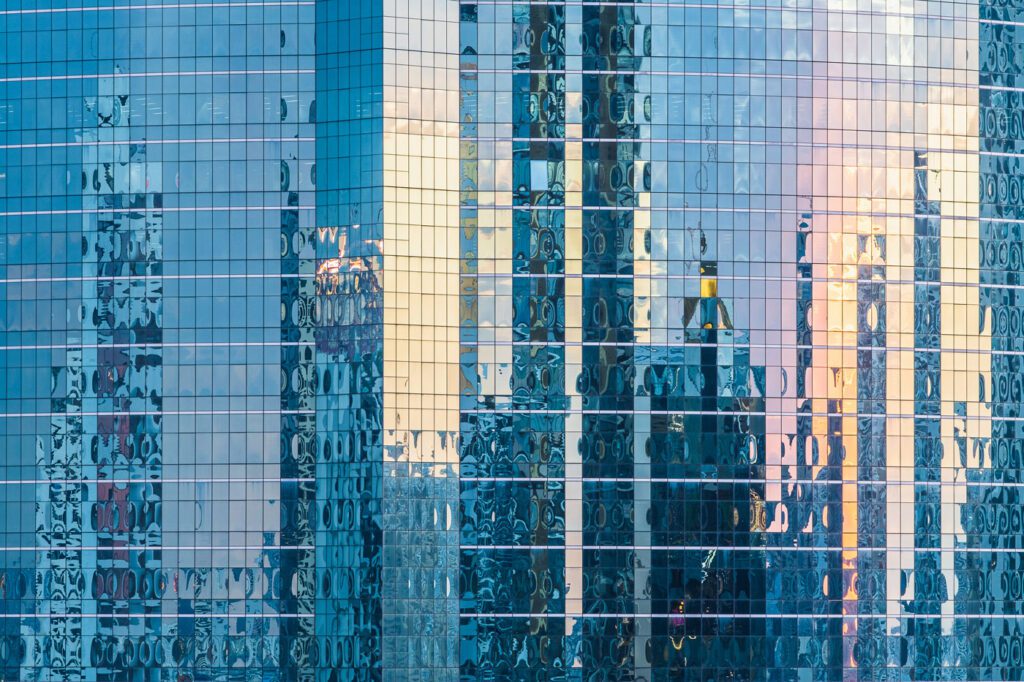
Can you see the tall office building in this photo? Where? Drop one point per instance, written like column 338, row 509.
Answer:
column 438, row 340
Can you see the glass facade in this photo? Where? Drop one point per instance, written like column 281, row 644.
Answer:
column 442, row 340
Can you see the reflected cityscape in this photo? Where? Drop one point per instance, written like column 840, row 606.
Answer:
column 454, row 340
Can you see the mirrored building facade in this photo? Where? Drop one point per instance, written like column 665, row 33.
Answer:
column 451, row 340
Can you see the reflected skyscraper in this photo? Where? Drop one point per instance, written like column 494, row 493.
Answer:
column 461, row 340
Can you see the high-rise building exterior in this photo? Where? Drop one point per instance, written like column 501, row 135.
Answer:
column 451, row 340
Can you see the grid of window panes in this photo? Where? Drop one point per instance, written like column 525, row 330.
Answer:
column 507, row 339
column 739, row 379
column 153, row 157
column 987, row 574
column 342, row 378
